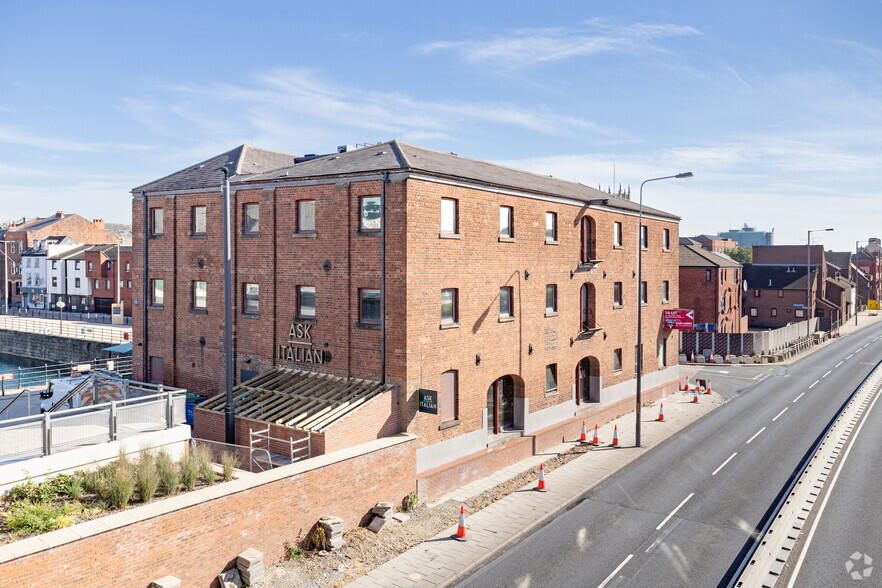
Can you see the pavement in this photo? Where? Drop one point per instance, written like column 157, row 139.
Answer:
column 442, row 561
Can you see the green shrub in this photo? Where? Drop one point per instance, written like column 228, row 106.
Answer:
column 121, row 485
column 146, row 478
column 76, row 488
column 29, row 518
column 294, row 551
column 189, row 471
column 206, row 469
column 33, row 492
column 169, row 477
column 229, row 462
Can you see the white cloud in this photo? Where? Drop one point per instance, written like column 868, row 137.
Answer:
column 526, row 46
column 24, row 138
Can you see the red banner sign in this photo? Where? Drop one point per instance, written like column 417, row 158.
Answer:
column 679, row 318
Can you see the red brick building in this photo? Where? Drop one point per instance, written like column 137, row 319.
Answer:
column 105, row 283
column 22, row 234
column 711, row 285
column 510, row 296
column 776, row 295
column 869, row 261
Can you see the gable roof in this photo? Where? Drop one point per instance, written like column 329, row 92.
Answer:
column 695, row 256
column 776, row 277
column 244, row 160
column 841, row 259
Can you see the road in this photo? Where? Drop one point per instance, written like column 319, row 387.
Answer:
column 684, row 513
column 841, row 543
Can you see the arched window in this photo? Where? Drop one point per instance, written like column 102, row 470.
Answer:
column 587, row 240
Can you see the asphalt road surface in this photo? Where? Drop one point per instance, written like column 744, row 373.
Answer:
column 684, row 513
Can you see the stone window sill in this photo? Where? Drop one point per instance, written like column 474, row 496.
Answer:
column 155, row 306
column 448, row 425
column 250, row 315
column 506, row 319
column 506, row 239
column 551, row 242
column 306, row 319
column 311, row 235
column 550, row 393
column 367, row 233
column 550, row 313
column 617, row 247
column 199, row 311
column 250, row 235
column 618, row 306
column 448, row 326
column 368, row 326
column 156, row 236
column 450, row 235
column 199, row 236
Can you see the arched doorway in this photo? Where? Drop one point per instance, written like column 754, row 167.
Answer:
column 588, row 380
column 501, row 405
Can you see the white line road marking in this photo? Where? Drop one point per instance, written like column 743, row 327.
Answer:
column 858, row 351
column 673, row 512
column 616, row 571
column 827, row 374
column 850, row 356
column 798, row 397
column 865, row 345
column 723, row 372
column 756, row 435
column 780, row 413
column 811, row 534
column 839, row 364
column 815, row 384
column 724, row 463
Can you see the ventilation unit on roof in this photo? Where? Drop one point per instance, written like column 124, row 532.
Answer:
column 344, row 148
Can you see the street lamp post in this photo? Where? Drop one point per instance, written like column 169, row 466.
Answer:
column 229, row 407
column 5, row 279
column 808, row 271
column 60, row 304
column 639, row 296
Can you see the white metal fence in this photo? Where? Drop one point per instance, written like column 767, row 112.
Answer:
column 68, row 329
column 39, row 376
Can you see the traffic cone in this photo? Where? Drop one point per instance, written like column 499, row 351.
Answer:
column 541, row 486
column 615, row 442
column 727, row 358
column 691, row 357
column 695, row 395
column 661, row 412
column 595, row 441
column 583, row 438
column 708, row 389
column 685, row 387
column 461, row 530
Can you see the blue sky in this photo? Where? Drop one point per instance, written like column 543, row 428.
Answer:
column 775, row 106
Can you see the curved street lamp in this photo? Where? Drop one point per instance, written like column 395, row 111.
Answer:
column 640, row 298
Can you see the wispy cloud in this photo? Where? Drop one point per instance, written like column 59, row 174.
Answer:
column 24, row 138
column 528, row 46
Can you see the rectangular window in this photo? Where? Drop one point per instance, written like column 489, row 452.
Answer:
column 550, row 298
column 617, row 294
column 128, row 267
column 120, row 285
column 28, row 264
column 369, row 311
column 753, row 311
column 551, row 226
column 505, row 298
column 644, row 236
column 617, row 360
column 756, row 293
column 54, row 282
column 449, row 216
column 29, row 279
column 774, row 311
column 12, row 246
column 76, row 282
column 506, row 221
column 662, row 353
column 551, row 378
column 642, row 292
column 306, row 216
column 617, row 234
column 735, row 276
column 54, row 264
column 306, row 301
column 666, row 239
column 156, row 223
column 108, row 265
column 90, row 266
column 76, row 265
column 448, row 306
column 95, row 284
column 665, row 291
column 251, row 297
column 157, row 292
column 707, row 275
column 251, row 219
column 448, row 396
column 107, row 284
column 200, row 294
column 128, row 283
column 371, row 215
column 780, row 293
column 197, row 220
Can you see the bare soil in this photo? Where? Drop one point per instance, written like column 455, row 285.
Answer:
column 365, row 550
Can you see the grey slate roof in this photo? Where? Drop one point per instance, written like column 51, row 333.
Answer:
column 695, row 256
column 775, row 277
column 841, row 259
column 244, row 160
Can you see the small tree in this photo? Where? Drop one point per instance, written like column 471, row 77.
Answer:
column 741, row 254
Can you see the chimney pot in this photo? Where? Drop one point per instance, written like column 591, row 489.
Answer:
column 59, row 214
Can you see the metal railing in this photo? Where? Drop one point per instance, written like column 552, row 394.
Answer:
column 37, row 376
column 91, row 317
column 148, row 408
column 260, row 442
column 66, row 328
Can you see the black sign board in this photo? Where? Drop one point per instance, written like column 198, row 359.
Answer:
column 428, row 401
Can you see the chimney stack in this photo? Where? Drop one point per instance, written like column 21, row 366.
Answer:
column 59, row 214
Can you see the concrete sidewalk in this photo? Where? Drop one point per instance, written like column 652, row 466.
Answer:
column 441, row 560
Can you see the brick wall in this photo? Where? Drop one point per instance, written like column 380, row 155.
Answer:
column 197, row 542
column 703, row 296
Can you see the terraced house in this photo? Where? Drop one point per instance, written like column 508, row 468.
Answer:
column 481, row 304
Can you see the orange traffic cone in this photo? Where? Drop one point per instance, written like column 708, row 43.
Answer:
column 695, row 395
column 727, row 358
column 708, row 389
column 692, row 357
column 595, row 441
column 661, row 412
column 541, row 486
column 584, row 436
column 685, row 387
column 615, row 442
column 461, row 530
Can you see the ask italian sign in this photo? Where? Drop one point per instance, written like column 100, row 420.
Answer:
column 428, row 401
column 679, row 318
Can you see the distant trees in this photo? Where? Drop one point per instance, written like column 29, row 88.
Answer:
column 741, row 254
